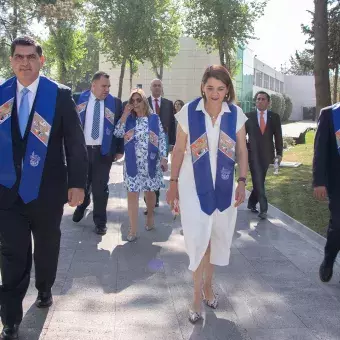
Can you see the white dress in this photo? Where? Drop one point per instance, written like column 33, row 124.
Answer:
column 198, row 227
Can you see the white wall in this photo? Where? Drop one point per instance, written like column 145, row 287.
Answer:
column 301, row 90
column 180, row 81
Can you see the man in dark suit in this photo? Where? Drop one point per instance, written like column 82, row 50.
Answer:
column 165, row 109
column 39, row 126
column 326, row 181
column 99, row 112
column 262, row 127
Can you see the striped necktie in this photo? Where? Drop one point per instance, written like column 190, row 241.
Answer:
column 24, row 111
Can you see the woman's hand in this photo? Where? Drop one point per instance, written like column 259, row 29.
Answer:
column 127, row 109
column 164, row 164
column 240, row 194
column 172, row 194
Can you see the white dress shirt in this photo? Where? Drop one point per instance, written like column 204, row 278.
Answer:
column 264, row 116
column 31, row 94
column 154, row 103
column 89, row 120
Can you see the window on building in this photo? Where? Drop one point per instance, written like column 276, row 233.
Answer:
column 266, row 81
column 272, row 84
column 258, row 80
column 277, row 85
column 282, row 87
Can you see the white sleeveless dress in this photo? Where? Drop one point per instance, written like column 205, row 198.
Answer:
column 198, row 227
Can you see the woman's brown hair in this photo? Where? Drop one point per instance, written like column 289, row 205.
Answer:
column 221, row 73
column 147, row 107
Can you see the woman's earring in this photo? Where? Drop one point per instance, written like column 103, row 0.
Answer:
column 203, row 94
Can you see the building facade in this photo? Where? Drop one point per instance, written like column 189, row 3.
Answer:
column 182, row 79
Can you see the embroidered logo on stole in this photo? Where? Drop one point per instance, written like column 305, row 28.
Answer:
column 6, row 110
column 81, row 107
column 128, row 136
column 40, row 128
column 337, row 136
column 227, row 145
column 109, row 115
column 34, row 160
column 153, row 139
column 199, row 147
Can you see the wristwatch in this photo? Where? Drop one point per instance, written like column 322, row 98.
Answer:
column 242, row 179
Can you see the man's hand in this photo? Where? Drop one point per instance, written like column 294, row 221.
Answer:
column 320, row 193
column 279, row 159
column 164, row 164
column 118, row 157
column 75, row 196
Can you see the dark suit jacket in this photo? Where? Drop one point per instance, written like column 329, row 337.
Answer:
column 117, row 145
column 326, row 162
column 261, row 147
column 167, row 117
column 66, row 159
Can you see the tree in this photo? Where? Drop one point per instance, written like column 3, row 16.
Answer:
column 321, row 66
column 121, row 25
column 288, row 108
column 15, row 16
column 164, row 32
column 278, row 105
column 223, row 25
column 302, row 64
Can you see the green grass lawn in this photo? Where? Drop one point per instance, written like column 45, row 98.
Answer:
column 291, row 191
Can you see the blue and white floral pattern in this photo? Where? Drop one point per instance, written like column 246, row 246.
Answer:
column 142, row 182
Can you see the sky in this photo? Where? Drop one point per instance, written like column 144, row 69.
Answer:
column 279, row 31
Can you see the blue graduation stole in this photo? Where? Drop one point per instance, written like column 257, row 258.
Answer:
column 109, row 118
column 130, row 145
column 219, row 197
column 336, row 121
column 38, row 137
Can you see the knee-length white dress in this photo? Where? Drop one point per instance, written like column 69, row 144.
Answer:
column 198, row 227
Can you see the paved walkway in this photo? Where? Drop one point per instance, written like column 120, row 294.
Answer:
column 295, row 129
column 109, row 289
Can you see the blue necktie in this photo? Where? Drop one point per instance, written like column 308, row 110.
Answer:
column 24, row 111
column 96, row 120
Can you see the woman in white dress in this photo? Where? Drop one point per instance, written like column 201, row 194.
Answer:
column 145, row 157
column 210, row 135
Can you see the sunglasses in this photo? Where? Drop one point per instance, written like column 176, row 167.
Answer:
column 138, row 100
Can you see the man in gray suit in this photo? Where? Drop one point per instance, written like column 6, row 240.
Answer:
column 165, row 109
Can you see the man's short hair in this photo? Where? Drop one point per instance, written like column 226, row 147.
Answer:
column 98, row 75
column 262, row 92
column 26, row 41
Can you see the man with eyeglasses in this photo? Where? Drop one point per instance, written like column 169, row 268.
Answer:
column 99, row 112
column 43, row 165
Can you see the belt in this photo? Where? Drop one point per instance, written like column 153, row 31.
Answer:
column 93, row 146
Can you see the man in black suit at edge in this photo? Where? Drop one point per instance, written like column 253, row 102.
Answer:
column 99, row 112
column 326, row 181
column 262, row 127
column 38, row 121
column 165, row 109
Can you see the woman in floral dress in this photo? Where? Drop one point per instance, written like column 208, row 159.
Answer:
column 145, row 157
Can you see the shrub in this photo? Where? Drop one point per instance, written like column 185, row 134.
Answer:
column 288, row 108
column 278, row 104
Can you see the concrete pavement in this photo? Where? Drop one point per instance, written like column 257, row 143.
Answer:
column 107, row 288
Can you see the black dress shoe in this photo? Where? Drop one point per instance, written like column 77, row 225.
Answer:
column 157, row 204
column 78, row 214
column 44, row 300
column 252, row 209
column 263, row 215
column 326, row 270
column 101, row 230
column 9, row 332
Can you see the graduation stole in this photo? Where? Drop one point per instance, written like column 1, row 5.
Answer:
column 336, row 121
column 109, row 118
column 210, row 197
column 130, row 145
column 37, row 143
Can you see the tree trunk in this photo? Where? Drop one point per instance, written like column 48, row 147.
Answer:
column 121, row 78
column 321, row 68
column 155, row 70
column 131, row 72
column 15, row 20
column 335, row 89
column 161, row 68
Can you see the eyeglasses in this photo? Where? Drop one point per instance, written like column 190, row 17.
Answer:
column 137, row 100
column 20, row 58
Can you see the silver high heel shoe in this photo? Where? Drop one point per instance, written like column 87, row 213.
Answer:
column 131, row 237
column 194, row 316
column 211, row 303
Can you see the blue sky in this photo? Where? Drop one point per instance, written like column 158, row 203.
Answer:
column 279, row 31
